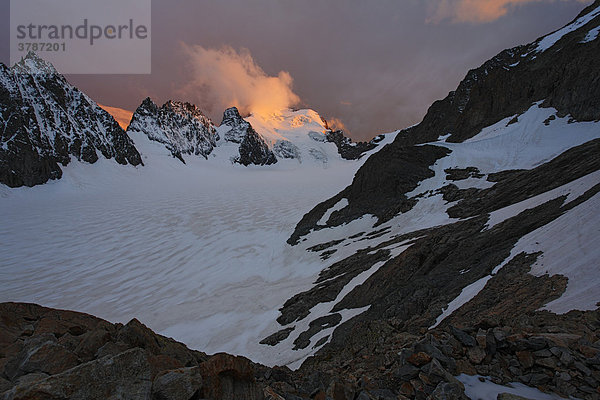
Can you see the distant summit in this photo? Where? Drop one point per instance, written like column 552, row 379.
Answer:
column 181, row 127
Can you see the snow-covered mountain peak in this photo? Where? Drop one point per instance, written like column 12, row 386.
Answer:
column 46, row 121
column 181, row 127
column 32, row 64
column 291, row 125
column 297, row 136
column 232, row 117
column 185, row 108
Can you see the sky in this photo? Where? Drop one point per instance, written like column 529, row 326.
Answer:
column 366, row 66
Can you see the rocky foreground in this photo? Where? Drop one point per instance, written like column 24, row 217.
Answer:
column 54, row 354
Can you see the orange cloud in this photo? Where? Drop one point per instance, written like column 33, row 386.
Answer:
column 336, row 124
column 224, row 77
column 476, row 11
column 123, row 117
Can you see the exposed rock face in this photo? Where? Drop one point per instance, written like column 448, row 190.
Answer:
column 565, row 76
column 181, row 127
column 253, row 149
column 387, row 177
column 238, row 125
column 46, row 121
column 349, row 150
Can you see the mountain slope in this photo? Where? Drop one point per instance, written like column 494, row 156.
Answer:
column 46, row 121
column 460, row 219
column 563, row 76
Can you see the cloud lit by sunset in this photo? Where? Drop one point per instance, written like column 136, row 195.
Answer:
column 476, row 11
column 336, row 124
column 123, row 117
column 224, row 77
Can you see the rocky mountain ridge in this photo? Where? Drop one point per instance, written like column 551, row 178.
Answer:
column 255, row 146
column 181, row 127
column 47, row 121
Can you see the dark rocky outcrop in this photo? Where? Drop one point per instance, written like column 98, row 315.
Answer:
column 238, row 125
column 386, row 177
column 459, row 174
column 349, row 150
column 253, row 148
column 46, row 121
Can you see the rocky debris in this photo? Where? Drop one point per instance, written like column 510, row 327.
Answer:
column 557, row 354
column 181, row 127
column 554, row 354
column 46, row 121
column 46, row 353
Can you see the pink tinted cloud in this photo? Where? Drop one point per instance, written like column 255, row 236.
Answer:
column 223, row 77
column 477, row 11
